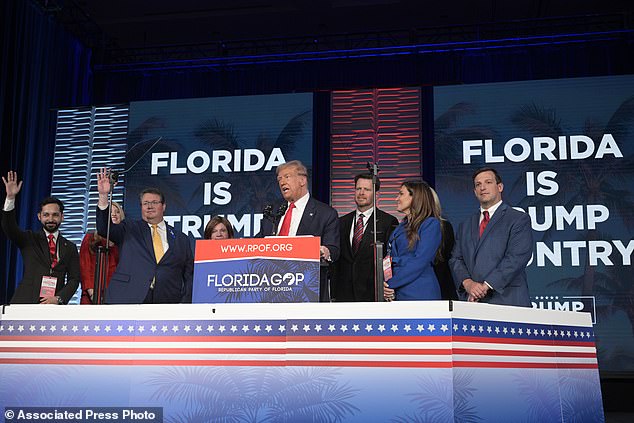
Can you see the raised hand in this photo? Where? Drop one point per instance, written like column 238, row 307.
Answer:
column 103, row 181
column 11, row 184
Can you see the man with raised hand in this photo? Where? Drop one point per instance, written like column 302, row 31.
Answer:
column 51, row 262
column 156, row 263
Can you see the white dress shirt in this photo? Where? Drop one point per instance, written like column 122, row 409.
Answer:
column 298, row 212
column 491, row 210
column 366, row 218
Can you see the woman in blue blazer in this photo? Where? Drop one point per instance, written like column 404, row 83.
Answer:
column 414, row 245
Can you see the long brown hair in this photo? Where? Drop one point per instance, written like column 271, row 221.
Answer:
column 443, row 222
column 422, row 207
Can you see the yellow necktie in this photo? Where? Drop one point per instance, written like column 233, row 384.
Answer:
column 158, row 244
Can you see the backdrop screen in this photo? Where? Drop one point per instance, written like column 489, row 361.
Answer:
column 564, row 151
column 215, row 155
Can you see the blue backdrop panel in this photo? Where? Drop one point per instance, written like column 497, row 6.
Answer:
column 216, row 155
column 564, row 150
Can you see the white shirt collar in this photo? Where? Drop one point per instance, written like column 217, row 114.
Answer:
column 491, row 209
column 55, row 235
column 301, row 203
column 366, row 214
column 300, row 206
column 161, row 225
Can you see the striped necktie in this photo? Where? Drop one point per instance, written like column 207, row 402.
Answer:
column 358, row 234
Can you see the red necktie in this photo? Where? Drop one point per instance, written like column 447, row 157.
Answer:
column 358, row 234
column 286, row 223
column 52, row 250
column 485, row 222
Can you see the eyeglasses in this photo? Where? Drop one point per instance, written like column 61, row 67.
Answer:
column 151, row 203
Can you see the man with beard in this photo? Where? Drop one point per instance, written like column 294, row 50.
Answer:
column 354, row 271
column 51, row 262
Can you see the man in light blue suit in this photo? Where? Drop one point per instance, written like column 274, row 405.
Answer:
column 492, row 248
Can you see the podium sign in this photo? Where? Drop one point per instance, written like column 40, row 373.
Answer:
column 260, row 270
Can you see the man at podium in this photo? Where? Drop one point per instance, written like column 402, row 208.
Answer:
column 305, row 216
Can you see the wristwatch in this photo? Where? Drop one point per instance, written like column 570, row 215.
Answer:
column 59, row 300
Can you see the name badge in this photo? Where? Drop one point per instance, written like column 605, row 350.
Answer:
column 49, row 284
column 387, row 268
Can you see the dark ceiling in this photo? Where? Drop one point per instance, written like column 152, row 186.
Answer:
column 118, row 27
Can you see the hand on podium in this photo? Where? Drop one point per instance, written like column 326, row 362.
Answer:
column 324, row 253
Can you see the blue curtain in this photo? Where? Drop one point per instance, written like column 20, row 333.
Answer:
column 42, row 68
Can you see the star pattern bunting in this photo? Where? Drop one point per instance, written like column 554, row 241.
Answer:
column 314, row 327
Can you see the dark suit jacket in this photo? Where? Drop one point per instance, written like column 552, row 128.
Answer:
column 499, row 257
column 441, row 267
column 354, row 272
column 137, row 266
column 320, row 220
column 37, row 262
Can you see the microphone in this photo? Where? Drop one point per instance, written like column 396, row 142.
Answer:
column 114, row 177
column 282, row 209
column 373, row 168
column 268, row 211
column 274, row 218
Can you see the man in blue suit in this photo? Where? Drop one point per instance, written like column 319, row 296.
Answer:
column 155, row 261
column 306, row 216
column 493, row 248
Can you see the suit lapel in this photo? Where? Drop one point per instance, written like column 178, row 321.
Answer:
column 61, row 248
column 42, row 243
column 475, row 232
column 346, row 227
column 368, row 238
column 307, row 218
column 146, row 235
column 171, row 238
column 497, row 216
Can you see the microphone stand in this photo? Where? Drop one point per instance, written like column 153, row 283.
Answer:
column 103, row 252
column 377, row 245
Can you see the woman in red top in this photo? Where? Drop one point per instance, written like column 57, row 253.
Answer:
column 87, row 257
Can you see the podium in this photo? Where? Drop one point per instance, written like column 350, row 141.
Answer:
column 428, row 361
column 257, row 270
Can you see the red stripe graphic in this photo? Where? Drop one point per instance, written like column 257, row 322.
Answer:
column 511, row 353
